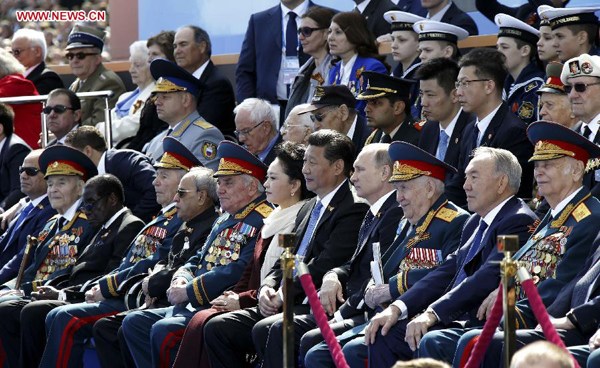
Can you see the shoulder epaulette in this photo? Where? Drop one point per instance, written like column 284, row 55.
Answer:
column 181, row 128
column 203, row 124
column 446, row 214
column 171, row 212
column 581, row 212
column 264, row 209
column 82, row 215
column 370, row 138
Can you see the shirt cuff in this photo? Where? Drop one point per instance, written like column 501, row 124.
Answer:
column 403, row 309
column 338, row 316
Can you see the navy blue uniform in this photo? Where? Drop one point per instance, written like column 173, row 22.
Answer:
column 521, row 94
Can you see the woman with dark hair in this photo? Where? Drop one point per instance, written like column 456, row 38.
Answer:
column 314, row 25
column 159, row 47
column 355, row 48
column 286, row 188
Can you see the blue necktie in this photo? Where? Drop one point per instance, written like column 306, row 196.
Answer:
column 310, row 229
column 15, row 229
column 473, row 250
column 442, row 145
column 291, row 36
column 366, row 226
column 475, row 136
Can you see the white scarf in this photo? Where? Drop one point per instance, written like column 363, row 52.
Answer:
column 278, row 222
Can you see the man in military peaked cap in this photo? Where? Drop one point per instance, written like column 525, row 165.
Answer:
column 217, row 266
column 176, row 93
column 562, row 241
column 388, row 109
column 334, row 107
column 554, row 102
column 84, row 53
column 151, row 245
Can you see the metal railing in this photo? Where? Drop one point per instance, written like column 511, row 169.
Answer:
column 42, row 99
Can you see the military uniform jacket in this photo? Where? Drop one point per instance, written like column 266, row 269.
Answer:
column 409, row 132
column 452, row 302
column 334, row 238
column 557, row 250
column 521, row 94
column 150, row 245
column 187, row 242
column 55, row 255
column 425, row 246
column 12, row 250
column 356, row 273
column 198, row 135
column 225, row 254
column 92, row 109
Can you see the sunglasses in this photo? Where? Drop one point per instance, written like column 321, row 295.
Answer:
column 307, row 31
column 79, row 55
column 30, row 171
column 319, row 117
column 88, row 206
column 578, row 87
column 182, row 192
column 59, row 109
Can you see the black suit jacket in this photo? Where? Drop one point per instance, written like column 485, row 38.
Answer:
column 44, row 79
column 589, row 179
column 587, row 315
column 429, row 141
column 483, row 273
column 506, row 131
column 459, row 18
column 361, row 133
column 356, row 273
column 11, row 157
column 136, row 173
column 216, row 100
column 271, row 155
column 374, row 15
column 334, row 238
column 409, row 132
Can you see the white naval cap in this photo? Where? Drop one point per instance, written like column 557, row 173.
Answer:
column 559, row 17
column 401, row 21
column 583, row 65
column 512, row 27
column 431, row 30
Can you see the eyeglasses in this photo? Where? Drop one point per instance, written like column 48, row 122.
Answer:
column 579, row 87
column 182, row 192
column 288, row 126
column 88, row 206
column 465, row 82
column 79, row 55
column 319, row 117
column 17, row 52
column 29, row 171
column 59, row 109
column 246, row 131
column 307, row 31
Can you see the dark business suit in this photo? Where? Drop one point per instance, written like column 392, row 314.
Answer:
column 354, row 276
column 429, row 141
column 136, row 173
column 361, row 133
column 216, row 99
column 373, row 13
column 44, row 79
column 102, row 255
column 12, row 155
column 459, row 18
column 12, row 246
column 260, row 58
column 437, row 289
column 589, row 179
column 412, row 6
column 270, row 157
column 409, row 132
column 332, row 244
column 505, row 131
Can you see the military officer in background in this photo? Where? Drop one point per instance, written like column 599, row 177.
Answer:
column 517, row 42
column 388, row 109
column 176, row 93
column 563, row 240
column 215, row 268
column 152, row 244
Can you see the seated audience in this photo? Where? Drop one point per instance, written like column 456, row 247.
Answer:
column 297, row 126
column 256, row 128
column 12, row 153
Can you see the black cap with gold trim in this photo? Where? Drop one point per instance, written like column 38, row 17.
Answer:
column 553, row 141
column 64, row 160
column 553, row 83
column 431, row 30
column 380, row 85
column 176, row 156
column 401, row 21
column 334, row 95
column 560, row 17
column 172, row 78
column 236, row 160
column 411, row 162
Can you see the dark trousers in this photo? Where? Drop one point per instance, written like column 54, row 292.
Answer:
column 33, row 331
column 110, row 343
